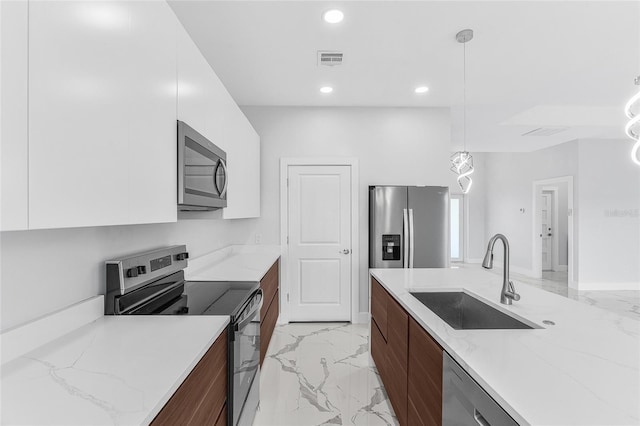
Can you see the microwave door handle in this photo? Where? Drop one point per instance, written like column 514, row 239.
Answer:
column 226, row 179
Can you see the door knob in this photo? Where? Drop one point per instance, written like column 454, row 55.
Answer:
column 346, row 251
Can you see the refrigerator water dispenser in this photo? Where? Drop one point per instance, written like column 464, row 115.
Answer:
column 391, row 247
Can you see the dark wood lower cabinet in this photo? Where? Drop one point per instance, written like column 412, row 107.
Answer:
column 409, row 361
column 267, row 325
column 425, row 377
column 201, row 398
column 269, row 284
column 397, row 356
column 379, row 351
column 222, row 418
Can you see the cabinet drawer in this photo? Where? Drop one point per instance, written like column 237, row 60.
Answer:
column 201, row 397
column 425, row 375
column 269, row 286
column 397, row 358
column 379, row 351
column 379, row 300
column 267, row 325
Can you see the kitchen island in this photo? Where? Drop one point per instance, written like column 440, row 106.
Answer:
column 583, row 370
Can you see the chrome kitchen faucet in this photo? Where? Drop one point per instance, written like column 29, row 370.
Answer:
column 508, row 293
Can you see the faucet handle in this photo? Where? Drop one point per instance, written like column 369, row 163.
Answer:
column 511, row 294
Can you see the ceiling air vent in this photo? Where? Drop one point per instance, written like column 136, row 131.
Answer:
column 545, row 131
column 329, row 59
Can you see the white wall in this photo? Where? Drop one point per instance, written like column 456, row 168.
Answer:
column 509, row 188
column 403, row 146
column 606, row 208
column 609, row 225
column 46, row 270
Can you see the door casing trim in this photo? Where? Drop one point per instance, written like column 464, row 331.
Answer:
column 285, row 162
column 536, row 260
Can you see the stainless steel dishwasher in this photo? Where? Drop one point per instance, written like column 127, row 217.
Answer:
column 464, row 402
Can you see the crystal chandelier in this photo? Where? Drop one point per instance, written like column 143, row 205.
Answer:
column 462, row 161
column 632, row 129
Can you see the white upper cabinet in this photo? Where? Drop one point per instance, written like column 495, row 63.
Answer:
column 91, row 91
column 102, row 87
column 153, row 132
column 206, row 105
column 193, row 84
column 13, row 109
column 243, row 162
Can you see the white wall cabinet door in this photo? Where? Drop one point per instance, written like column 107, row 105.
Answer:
column 243, row 158
column 101, row 113
column 153, row 131
column 206, row 105
column 193, row 83
column 13, row 96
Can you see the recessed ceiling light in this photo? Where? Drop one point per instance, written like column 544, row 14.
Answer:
column 333, row 16
column 422, row 89
column 326, row 89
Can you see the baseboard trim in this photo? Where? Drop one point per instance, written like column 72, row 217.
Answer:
column 562, row 268
column 361, row 318
column 607, row 286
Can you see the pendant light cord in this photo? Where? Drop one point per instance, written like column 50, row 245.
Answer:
column 464, row 95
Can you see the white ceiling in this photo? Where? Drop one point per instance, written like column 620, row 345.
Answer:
column 531, row 63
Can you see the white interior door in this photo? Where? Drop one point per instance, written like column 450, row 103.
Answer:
column 319, row 272
column 546, row 232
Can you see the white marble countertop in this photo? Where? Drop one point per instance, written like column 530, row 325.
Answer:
column 115, row 370
column 233, row 263
column 584, row 370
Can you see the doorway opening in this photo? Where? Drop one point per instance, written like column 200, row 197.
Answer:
column 456, row 222
column 553, row 233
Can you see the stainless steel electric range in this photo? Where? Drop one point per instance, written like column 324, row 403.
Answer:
column 152, row 283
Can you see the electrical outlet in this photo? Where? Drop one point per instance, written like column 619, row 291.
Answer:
column 258, row 238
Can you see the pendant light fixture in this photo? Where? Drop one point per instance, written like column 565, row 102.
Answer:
column 462, row 161
column 632, row 129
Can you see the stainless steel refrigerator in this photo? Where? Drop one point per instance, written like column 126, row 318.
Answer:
column 409, row 227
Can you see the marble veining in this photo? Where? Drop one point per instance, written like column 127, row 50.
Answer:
column 622, row 302
column 584, row 370
column 117, row 370
column 321, row 374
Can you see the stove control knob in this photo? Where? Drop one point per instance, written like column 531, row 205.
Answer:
column 132, row 272
column 142, row 269
column 182, row 256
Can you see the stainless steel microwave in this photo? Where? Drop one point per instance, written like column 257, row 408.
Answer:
column 202, row 171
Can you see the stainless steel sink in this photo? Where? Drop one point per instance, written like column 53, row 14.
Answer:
column 464, row 312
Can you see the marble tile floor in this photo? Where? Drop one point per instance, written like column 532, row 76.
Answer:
column 321, row 374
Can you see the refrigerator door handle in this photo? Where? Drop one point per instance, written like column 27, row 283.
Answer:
column 411, row 238
column 405, row 237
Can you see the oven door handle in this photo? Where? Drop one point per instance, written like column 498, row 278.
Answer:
column 251, row 314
